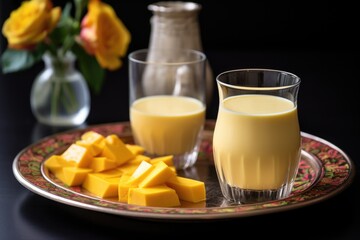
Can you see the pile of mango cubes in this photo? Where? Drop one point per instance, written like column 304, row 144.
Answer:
column 108, row 168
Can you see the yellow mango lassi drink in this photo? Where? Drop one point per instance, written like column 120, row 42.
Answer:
column 257, row 143
column 168, row 125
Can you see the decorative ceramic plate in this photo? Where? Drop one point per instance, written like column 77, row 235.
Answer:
column 324, row 170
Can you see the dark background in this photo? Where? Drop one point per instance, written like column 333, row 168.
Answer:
column 315, row 40
column 248, row 25
column 250, row 31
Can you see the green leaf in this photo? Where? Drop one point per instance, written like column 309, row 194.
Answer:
column 64, row 28
column 16, row 60
column 91, row 70
column 66, row 13
column 80, row 6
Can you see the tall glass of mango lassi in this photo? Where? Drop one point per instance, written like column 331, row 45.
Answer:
column 167, row 102
column 257, row 138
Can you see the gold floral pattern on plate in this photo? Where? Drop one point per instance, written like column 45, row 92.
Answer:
column 324, row 170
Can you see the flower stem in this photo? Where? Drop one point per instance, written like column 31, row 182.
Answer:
column 55, row 98
column 69, row 100
column 63, row 96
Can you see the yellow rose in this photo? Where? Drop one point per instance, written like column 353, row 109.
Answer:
column 104, row 35
column 30, row 23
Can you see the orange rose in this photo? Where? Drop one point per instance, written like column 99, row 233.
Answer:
column 30, row 23
column 104, row 35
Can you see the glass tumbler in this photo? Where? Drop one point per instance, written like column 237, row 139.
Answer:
column 168, row 103
column 257, row 138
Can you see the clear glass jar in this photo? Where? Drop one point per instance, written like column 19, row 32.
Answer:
column 174, row 27
column 60, row 95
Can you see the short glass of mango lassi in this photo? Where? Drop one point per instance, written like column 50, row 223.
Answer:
column 167, row 102
column 257, row 138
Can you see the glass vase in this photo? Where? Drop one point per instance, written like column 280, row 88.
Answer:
column 60, row 95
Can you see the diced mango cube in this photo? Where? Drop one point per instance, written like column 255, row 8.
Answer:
column 53, row 163
column 188, row 189
column 80, row 155
column 100, row 164
column 101, row 187
column 158, row 196
column 124, row 178
column 92, row 137
column 94, row 149
column 173, row 168
column 138, row 159
column 135, row 149
column 143, row 169
column 128, row 168
column 158, row 175
column 123, row 188
column 116, row 172
column 114, row 148
column 74, row 176
column 60, row 175
column 166, row 159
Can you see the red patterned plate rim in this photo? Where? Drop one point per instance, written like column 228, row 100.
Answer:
column 336, row 173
